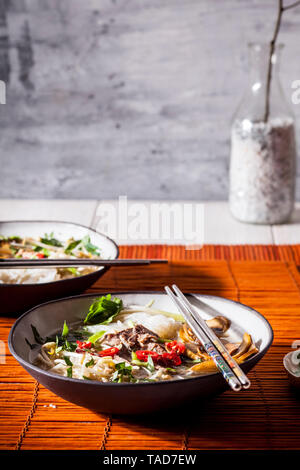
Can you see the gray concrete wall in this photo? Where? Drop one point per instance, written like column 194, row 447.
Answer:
column 127, row 96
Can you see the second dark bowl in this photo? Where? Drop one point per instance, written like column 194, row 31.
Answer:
column 17, row 298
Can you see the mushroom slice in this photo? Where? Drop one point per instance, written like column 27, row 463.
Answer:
column 209, row 366
column 198, row 355
column 193, row 348
column 205, row 367
column 190, row 354
column 218, row 324
column 252, row 350
column 5, row 251
column 244, row 346
column 187, row 335
column 232, row 348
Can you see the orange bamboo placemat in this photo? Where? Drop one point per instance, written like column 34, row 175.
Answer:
column 265, row 417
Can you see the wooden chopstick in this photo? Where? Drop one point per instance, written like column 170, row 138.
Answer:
column 211, row 350
column 215, row 340
column 46, row 263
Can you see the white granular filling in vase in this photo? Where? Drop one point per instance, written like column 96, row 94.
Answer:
column 262, row 170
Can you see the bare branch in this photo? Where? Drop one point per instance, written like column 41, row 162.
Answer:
column 280, row 10
column 272, row 48
column 288, row 7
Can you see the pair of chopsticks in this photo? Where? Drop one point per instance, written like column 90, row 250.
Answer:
column 230, row 370
column 60, row 263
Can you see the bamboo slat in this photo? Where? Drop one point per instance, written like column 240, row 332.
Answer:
column 266, row 416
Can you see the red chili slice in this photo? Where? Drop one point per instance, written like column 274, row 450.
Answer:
column 108, row 352
column 84, row 345
column 169, row 359
column 142, row 355
column 178, row 348
column 176, row 360
column 40, row 255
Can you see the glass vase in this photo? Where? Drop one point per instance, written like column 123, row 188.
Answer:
column 263, row 148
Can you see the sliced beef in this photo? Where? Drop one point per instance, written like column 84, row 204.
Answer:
column 144, row 336
column 112, row 339
column 134, row 338
column 157, row 347
column 129, row 338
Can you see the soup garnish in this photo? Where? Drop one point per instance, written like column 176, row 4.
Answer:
column 47, row 246
column 135, row 344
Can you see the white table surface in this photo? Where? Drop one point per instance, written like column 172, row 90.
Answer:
column 218, row 225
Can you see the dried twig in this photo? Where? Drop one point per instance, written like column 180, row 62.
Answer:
column 291, row 6
column 281, row 9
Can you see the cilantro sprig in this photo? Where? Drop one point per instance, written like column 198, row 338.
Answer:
column 93, row 249
column 123, row 373
column 70, row 364
column 90, row 363
column 86, row 243
column 48, row 239
column 71, row 246
column 62, row 343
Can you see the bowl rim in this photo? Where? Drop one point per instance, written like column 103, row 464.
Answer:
column 27, row 364
column 63, row 222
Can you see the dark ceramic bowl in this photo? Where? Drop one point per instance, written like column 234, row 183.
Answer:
column 17, row 298
column 126, row 398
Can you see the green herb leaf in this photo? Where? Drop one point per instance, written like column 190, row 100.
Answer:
column 86, row 378
column 90, row 363
column 72, row 245
column 122, row 372
column 136, row 361
column 150, row 364
column 10, row 239
column 65, row 330
column 62, row 344
column 68, row 361
column 169, row 369
column 57, row 348
column 163, row 340
column 50, row 240
column 70, row 372
column 37, row 336
column 94, row 338
column 39, row 249
column 73, row 271
column 103, row 310
column 93, row 249
column 69, row 346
